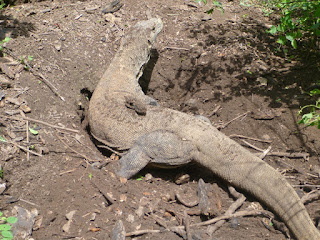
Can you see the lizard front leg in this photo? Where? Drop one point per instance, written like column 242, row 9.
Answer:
column 160, row 147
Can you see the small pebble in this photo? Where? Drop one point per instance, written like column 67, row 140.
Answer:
column 148, row 177
column 130, row 218
column 234, row 223
column 2, row 187
column 181, row 179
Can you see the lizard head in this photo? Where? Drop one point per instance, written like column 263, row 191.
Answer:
column 143, row 32
column 155, row 24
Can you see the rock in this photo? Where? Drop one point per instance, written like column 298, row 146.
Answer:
column 262, row 81
column 203, row 197
column 191, row 4
column 203, row 118
column 44, row 150
column 140, row 211
column 168, row 197
column 183, row 8
column 182, row 178
column 4, row 83
column 14, row 101
column 112, row 19
column 25, row 108
column 93, row 216
column 112, row 7
column 22, row 229
column 234, row 223
column 206, row 17
column 37, row 223
column 266, row 137
column 2, row 187
column 191, row 102
column 69, row 216
column 7, row 70
column 57, row 45
column 49, row 217
column 123, row 198
column 315, row 169
column 66, row 227
column 118, row 232
column 11, row 134
column 46, row 10
column 130, row 218
column 148, row 177
column 91, row 9
column 2, row 94
column 1, row 102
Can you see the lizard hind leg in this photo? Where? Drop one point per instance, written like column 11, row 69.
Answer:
column 161, row 148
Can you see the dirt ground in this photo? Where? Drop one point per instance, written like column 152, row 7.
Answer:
column 221, row 66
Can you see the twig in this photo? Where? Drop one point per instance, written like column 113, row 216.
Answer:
column 234, row 215
column 187, row 225
column 307, row 185
column 23, row 148
column 39, row 75
column 33, row 204
column 299, row 170
column 106, row 197
column 68, row 171
column 215, row 111
column 265, row 153
column 162, row 223
column 211, row 221
column 280, row 154
column 252, row 146
column 290, row 155
column 141, row 232
column 18, row 94
column 174, row 48
column 177, row 215
column 313, row 195
column 40, row 122
column 27, row 132
column 80, row 154
column 233, row 207
column 107, row 145
column 227, row 123
column 250, row 138
column 159, row 220
column 234, row 192
column 110, row 149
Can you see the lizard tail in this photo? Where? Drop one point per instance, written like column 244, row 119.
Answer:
column 242, row 169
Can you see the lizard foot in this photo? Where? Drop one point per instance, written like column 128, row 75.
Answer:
column 161, row 148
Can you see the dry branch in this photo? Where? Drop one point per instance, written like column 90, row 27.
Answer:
column 23, row 148
column 233, row 207
column 227, row 123
column 250, row 138
column 40, row 122
column 313, row 195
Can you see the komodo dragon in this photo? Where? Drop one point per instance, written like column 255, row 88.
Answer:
column 122, row 117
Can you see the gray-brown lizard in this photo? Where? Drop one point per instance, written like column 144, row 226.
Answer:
column 123, row 117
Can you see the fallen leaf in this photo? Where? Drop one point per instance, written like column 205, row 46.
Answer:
column 33, row 131
column 94, row 229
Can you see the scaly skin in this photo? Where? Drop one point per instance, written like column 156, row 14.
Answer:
column 122, row 127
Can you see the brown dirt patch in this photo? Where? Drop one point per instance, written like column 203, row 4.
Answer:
column 199, row 63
